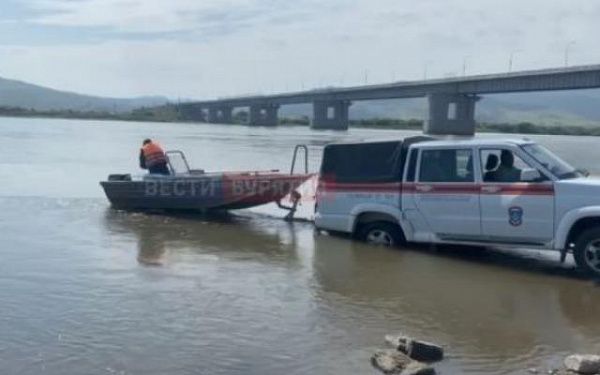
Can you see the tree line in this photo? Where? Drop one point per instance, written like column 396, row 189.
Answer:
column 176, row 113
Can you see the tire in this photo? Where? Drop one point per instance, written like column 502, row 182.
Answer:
column 587, row 252
column 381, row 233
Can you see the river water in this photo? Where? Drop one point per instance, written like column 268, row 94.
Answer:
column 87, row 290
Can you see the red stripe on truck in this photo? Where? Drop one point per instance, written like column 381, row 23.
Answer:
column 353, row 186
column 440, row 188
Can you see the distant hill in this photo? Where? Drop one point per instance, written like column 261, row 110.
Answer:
column 577, row 107
column 25, row 95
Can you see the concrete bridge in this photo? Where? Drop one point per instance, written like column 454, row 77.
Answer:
column 452, row 101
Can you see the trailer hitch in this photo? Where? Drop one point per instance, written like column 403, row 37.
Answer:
column 295, row 198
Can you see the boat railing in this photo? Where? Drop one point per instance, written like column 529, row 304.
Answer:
column 296, row 149
column 177, row 155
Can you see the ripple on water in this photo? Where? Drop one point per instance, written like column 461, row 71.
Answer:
column 89, row 290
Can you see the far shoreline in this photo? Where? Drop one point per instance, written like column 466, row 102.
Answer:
column 170, row 114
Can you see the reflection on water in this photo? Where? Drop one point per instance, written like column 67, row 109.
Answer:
column 493, row 312
column 498, row 311
column 89, row 290
column 228, row 234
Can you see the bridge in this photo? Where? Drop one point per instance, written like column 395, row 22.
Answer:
column 452, row 101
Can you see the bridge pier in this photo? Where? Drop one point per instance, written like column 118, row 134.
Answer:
column 263, row 115
column 191, row 112
column 220, row 115
column 213, row 115
column 451, row 114
column 331, row 114
column 201, row 115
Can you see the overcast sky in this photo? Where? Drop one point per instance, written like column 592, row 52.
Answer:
column 214, row 48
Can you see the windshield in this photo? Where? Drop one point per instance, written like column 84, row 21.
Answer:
column 553, row 163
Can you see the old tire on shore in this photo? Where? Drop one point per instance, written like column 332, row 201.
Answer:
column 587, row 252
column 381, row 233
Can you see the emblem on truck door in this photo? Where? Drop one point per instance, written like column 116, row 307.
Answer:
column 515, row 216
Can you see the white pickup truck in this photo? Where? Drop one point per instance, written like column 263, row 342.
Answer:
column 484, row 192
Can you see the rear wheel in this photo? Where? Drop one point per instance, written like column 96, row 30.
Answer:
column 381, row 233
column 587, row 252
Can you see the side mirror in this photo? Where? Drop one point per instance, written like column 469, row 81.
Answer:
column 584, row 172
column 530, row 175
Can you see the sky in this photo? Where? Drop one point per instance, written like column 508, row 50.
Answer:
column 204, row 49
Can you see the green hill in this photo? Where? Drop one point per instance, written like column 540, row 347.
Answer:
column 25, row 95
column 564, row 108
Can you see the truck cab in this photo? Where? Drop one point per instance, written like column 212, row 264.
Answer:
column 490, row 192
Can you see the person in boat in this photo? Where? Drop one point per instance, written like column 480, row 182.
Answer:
column 153, row 158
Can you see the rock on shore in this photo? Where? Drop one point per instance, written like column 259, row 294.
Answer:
column 391, row 361
column 410, row 356
column 583, row 364
column 407, row 357
column 416, row 349
column 576, row 364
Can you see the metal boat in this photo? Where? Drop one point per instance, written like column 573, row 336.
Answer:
column 196, row 190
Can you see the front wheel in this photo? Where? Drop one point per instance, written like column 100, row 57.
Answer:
column 587, row 252
column 382, row 234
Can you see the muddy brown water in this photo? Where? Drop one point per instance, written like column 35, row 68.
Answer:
column 88, row 290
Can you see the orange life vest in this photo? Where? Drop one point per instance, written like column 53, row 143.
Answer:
column 153, row 154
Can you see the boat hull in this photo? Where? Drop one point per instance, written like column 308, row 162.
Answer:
column 227, row 191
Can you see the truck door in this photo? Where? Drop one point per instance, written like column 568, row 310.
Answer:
column 446, row 193
column 513, row 210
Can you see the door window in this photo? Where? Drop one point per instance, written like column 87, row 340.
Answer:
column 454, row 165
column 502, row 165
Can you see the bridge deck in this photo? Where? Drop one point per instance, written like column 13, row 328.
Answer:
column 579, row 77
